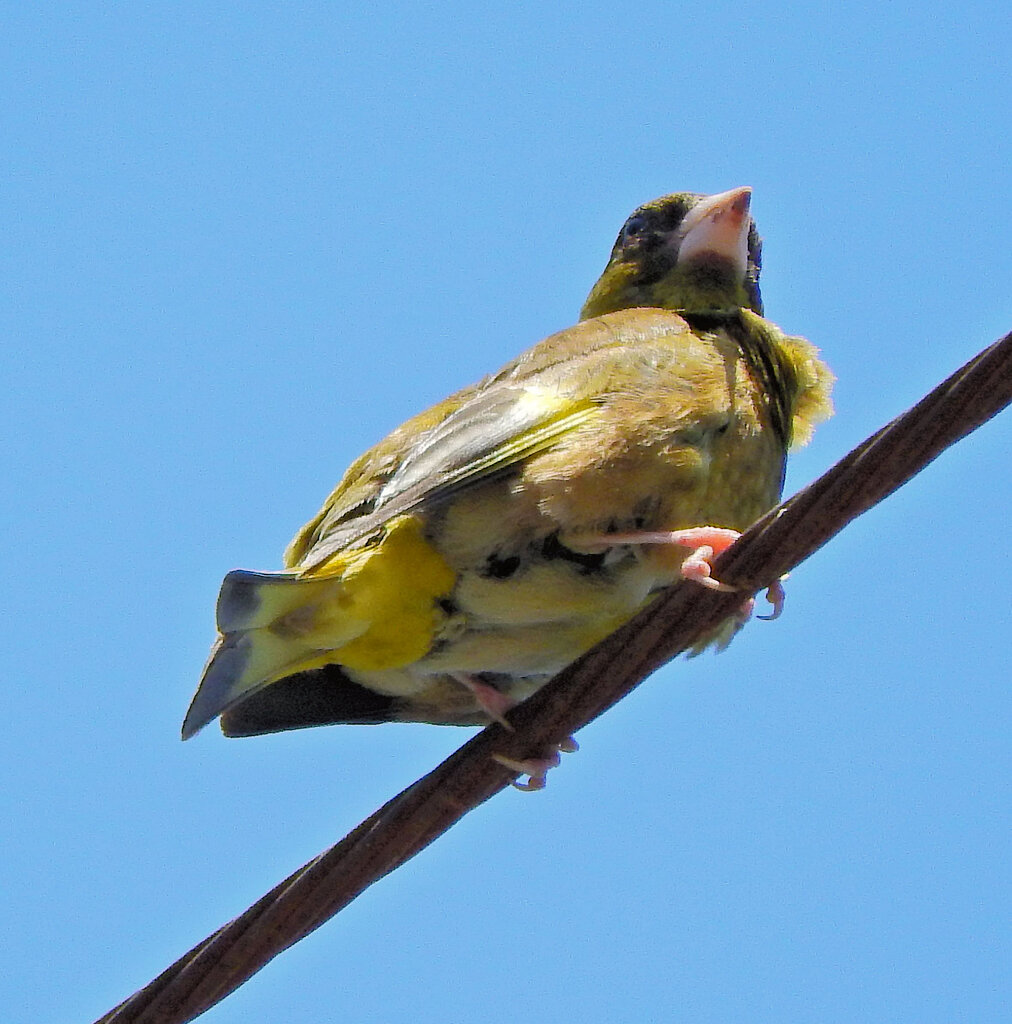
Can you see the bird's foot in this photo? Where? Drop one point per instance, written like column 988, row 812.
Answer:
column 492, row 701
column 536, row 768
column 706, row 542
column 495, row 704
column 776, row 595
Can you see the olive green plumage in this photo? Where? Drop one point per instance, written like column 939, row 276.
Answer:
column 644, row 268
column 459, row 550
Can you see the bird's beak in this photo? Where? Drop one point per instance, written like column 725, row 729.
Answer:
column 718, row 226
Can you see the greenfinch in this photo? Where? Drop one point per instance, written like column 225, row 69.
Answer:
column 489, row 541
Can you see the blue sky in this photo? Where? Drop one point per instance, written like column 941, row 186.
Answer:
column 245, row 241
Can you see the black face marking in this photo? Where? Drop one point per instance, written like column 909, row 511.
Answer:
column 646, row 236
column 647, row 228
column 634, row 226
column 655, row 264
column 553, row 548
column 712, row 272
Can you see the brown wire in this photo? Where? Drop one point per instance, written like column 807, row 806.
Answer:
column 409, row 822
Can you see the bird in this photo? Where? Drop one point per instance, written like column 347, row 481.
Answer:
column 487, row 542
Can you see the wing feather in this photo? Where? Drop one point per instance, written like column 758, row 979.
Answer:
column 484, row 438
column 482, row 431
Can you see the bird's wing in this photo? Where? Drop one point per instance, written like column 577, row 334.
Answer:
column 484, row 430
column 491, row 432
column 481, row 430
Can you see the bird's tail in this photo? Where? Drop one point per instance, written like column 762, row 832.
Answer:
column 269, row 626
column 371, row 608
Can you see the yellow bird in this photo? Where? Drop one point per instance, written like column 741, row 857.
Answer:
column 491, row 540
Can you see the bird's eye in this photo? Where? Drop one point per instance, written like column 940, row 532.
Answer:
column 634, row 226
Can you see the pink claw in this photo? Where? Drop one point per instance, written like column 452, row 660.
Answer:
column 776, row 596
column 536, row 768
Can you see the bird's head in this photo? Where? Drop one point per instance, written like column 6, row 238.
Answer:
column 688, row 252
